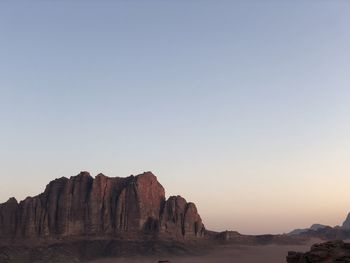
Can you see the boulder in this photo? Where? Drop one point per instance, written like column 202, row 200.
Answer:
column 332, row 251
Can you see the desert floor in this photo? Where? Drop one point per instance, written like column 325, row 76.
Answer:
column 225, row 254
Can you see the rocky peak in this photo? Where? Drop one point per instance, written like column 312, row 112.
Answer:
column 346, row 224
column 12, row 200
column 180, row 218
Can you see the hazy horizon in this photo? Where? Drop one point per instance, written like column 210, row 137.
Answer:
column 241, row 107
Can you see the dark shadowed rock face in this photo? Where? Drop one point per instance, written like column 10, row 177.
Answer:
column 101, row 206
column 8, row 218
column 346, row 224
column 180, row 218
column 332, row 251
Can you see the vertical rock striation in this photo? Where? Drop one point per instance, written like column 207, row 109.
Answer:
column 180, row 218
column 346, row 224
column 101, row 206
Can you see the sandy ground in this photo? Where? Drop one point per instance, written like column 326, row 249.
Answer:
column 232, row 254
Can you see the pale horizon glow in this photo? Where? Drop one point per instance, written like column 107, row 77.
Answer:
column 241, row 107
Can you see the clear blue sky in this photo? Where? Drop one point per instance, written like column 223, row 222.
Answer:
column 240, row 106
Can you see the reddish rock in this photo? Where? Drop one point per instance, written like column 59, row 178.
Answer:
column 180, row 218
column 101, row 206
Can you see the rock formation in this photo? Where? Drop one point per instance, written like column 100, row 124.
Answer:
column 314, row 227
column 180, row 218
column 102, row 206
column 346, row 224
column 332, row 251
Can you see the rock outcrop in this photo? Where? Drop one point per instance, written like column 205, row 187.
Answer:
column 180, row 218
column 102, row 206
column 346, row 224
column 314, row 227
column 332, row 251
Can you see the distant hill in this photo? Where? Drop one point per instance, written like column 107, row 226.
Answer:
column 314, row 227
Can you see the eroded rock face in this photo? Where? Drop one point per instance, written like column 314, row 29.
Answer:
column 346, row 224
column 8, row 218
column 180, row 218
column 101, row 206
column 332, row 251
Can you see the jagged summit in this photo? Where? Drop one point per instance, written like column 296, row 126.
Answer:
column 12, row 200
column 129, row 207
column 346, row 224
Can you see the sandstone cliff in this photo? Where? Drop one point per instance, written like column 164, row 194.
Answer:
column 102, row 206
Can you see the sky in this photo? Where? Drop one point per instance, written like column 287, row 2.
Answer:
column 239, row 106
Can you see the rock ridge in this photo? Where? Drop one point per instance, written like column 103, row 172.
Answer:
column 81, row 205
